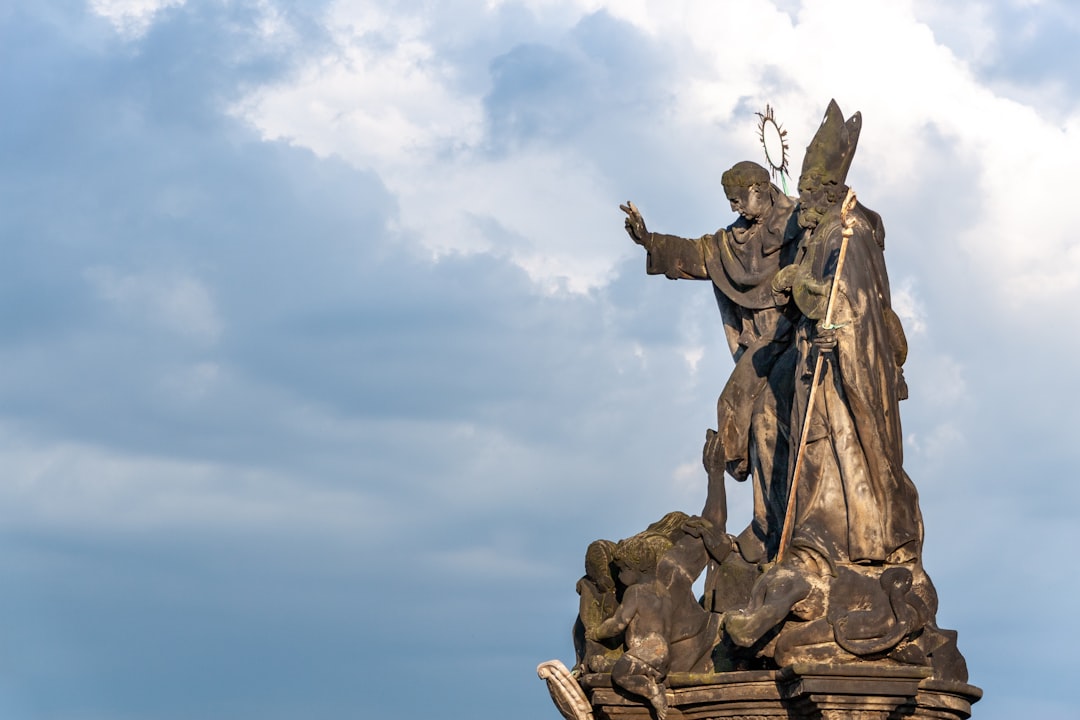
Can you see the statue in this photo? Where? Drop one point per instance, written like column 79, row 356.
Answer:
column 854, row 512
column 598, row 603
column 825, row 591
column 741, row 261
column 659, row 626
column 645, row 617
column 853, row 446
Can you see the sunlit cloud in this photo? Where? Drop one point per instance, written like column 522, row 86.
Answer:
column 360, row 298
column 132, row 18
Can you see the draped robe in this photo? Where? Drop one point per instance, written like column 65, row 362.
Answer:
column 854, row 501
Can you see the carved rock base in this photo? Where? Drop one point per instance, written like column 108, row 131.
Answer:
column 799, row 692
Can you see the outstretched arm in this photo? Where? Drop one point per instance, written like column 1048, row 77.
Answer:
column 712, row 457
column 668, row 255
column 619, row 621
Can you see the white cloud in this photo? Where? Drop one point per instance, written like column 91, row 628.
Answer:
column 132, row 18
column 383, row 97
column 966, row 28
column 692, row 356
column 271, row 23
column 908, row 307
column 527, row 198
column 394, row 105
column 66, row 486
column 391, row 105
column 942, row 441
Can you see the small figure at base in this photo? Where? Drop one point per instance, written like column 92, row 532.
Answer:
column 597, row 603
column 645, row 619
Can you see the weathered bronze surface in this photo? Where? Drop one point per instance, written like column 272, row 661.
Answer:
column 820, row 607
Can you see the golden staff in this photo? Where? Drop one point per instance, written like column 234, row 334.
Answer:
column 789, row 516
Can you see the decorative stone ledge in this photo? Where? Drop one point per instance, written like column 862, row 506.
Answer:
column 798, row 692
column 850, row 692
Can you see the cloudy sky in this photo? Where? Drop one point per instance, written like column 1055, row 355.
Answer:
column 324, row 355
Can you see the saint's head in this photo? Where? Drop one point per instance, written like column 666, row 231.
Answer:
column 826, row 164
column 748, row 189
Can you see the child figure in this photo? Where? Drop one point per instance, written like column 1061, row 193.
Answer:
column 645, row 618
column 598, row 603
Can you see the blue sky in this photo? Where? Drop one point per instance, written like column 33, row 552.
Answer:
column 325, row 354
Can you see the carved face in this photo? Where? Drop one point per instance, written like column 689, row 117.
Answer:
column 750, row 202
column 813, row 202
column 629, row 576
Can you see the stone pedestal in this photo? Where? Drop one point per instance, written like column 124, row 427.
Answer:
column 854, row 692
column 799, row 692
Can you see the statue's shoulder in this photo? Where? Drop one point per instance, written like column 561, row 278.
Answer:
column 873, row 223
column 784, row 205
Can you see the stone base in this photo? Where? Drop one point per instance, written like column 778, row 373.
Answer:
column 799, row 692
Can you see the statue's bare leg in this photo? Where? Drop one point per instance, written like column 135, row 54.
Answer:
column 642, row 678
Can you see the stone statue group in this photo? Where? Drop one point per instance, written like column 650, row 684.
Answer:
column 829, row 571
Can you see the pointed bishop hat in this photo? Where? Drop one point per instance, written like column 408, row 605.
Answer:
column 829, row 154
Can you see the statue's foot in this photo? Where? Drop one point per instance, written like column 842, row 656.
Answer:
column 659, row 702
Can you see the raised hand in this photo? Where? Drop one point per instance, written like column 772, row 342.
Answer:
column 712, row 455
column 635, row 224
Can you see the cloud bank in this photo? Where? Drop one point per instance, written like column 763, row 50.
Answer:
column 326, row 354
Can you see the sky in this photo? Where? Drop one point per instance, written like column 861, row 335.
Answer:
column 324, row 353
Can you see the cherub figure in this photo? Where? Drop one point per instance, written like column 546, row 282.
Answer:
column 645, row 619
column 598, row 603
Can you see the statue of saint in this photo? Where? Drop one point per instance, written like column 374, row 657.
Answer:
column 855, row 503
column 849, row 584
column 754, row 406
column 829, row 573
